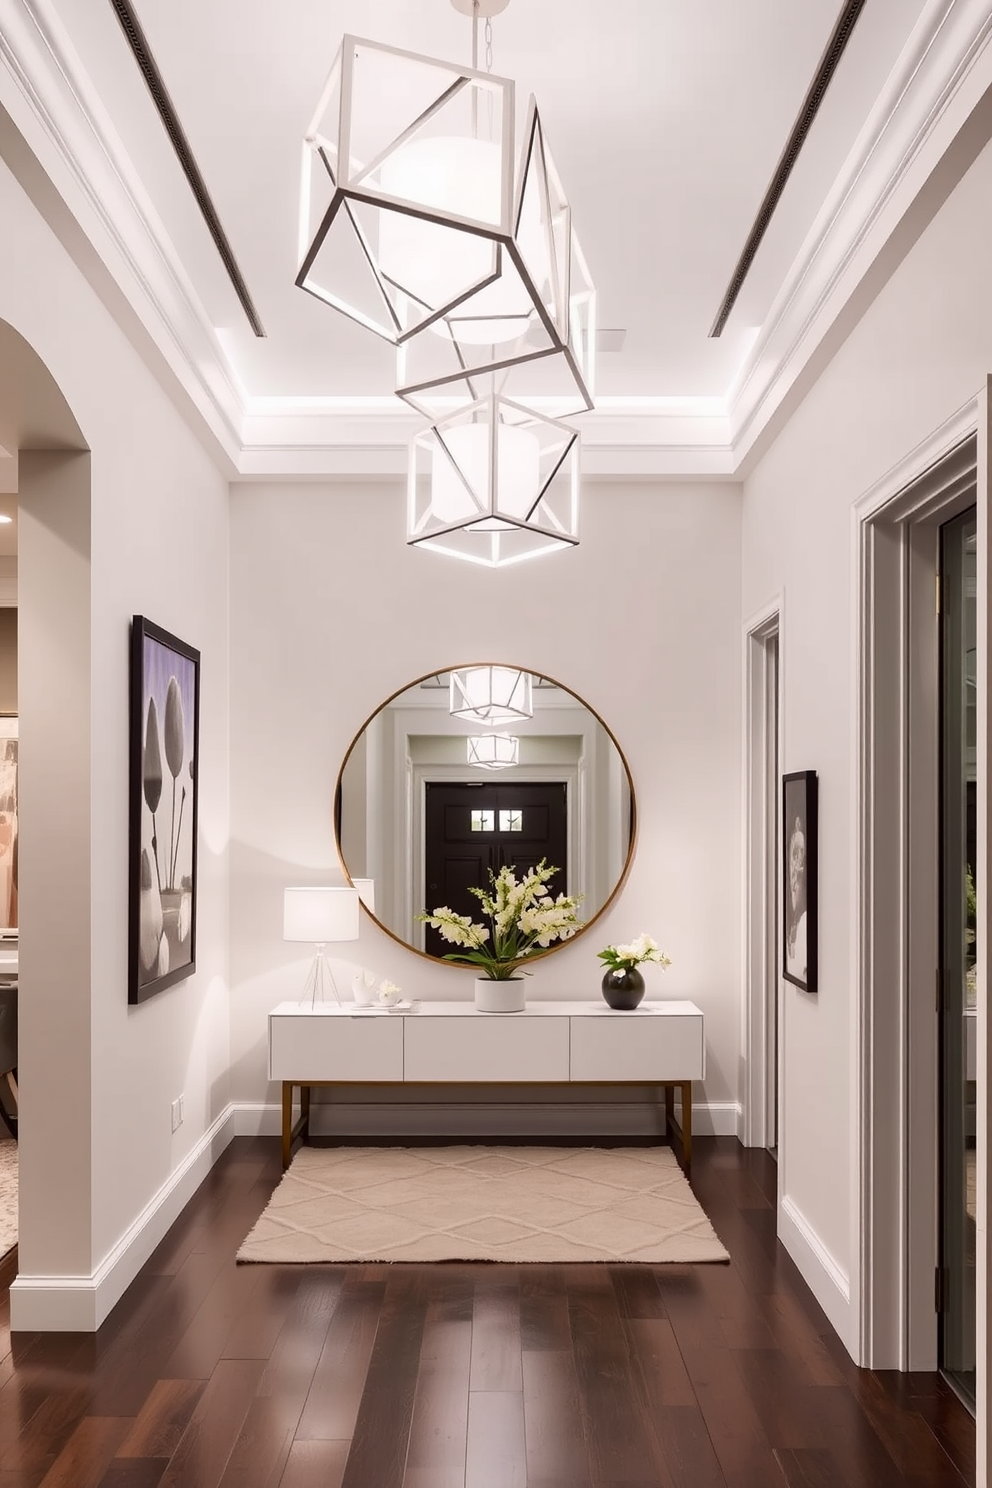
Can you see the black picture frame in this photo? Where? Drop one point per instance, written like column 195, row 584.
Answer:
column 799, row 879
column 164, row 810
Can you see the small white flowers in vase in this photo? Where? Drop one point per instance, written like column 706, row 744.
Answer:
column 523, row 917
column 623, row 985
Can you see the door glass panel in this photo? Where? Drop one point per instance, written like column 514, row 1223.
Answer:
column 511, row 821
column 483, row 821
column 959, row 951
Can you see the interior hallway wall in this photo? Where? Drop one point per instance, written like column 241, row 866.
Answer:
column 920, row 353
column 331, row 612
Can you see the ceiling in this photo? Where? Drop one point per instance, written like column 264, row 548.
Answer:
column 667, row 120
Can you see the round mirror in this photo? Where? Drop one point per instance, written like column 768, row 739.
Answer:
column 470, row 769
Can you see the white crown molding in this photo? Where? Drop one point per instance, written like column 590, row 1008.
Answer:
column 940, row 78
column 937, row 83
column 54, row 105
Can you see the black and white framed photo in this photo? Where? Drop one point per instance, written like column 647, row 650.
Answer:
column 799, row 879
column 165, row 710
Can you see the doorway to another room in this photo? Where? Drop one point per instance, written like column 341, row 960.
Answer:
column 959, row 950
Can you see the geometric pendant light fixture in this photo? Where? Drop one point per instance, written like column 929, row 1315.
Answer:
column 417, row 222
column 491, row 695
column 493, row 751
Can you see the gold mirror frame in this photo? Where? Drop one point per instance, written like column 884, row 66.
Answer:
column 461, row 666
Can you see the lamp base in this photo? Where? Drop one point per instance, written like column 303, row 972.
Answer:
column 320, row 978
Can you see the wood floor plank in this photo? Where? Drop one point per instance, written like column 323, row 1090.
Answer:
column 637, row 1291
column 85, row 1457
column 204, row 1447
column 260, row 1454
column 315, row 1464
column 381, row 1438
column 134, row 1472
column 544, row 1309
column 555, row 1442
column 163, row 1418
column 497, row 1455
column 496, row 1334
column 618, row 1439
column 338, row 1381
column 439, row 1428
column 809, row 1467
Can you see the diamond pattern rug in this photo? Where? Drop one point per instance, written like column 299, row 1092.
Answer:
column 8, row 1195
column 483, row 1204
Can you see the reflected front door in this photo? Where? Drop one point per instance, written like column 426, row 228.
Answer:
column 472, row 829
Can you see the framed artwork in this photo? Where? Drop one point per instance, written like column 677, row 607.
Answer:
column 165, row 712
column 799, row 879
column 8, row 824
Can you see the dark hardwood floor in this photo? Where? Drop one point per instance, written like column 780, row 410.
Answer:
column 211, row 1375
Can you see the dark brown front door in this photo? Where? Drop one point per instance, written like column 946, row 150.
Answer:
column 471, row 829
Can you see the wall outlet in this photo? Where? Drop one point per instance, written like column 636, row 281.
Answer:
column 177, row 1114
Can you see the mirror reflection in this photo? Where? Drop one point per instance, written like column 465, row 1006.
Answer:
column 468, row 770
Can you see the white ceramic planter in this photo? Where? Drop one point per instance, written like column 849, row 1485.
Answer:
column 499, row 997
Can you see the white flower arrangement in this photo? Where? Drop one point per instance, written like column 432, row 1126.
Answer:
column 622, row 958
column 523, row 918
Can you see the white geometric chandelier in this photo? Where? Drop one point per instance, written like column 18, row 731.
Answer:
column 491, row 695
column 416, row 222
column 493, row 751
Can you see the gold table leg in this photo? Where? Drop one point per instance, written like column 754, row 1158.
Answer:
column 287, row 1121
column 687, row 1125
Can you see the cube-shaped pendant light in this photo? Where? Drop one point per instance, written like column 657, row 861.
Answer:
column 494, row 484
column 491, row 694
column 493, row 751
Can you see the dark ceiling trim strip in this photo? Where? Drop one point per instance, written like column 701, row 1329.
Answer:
column 138, row 43
column 811, row 106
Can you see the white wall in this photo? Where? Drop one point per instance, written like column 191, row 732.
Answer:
column 158, row 533
column 331, row 612
column 919, row 353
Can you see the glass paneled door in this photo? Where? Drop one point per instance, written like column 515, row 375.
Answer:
column 958, row 952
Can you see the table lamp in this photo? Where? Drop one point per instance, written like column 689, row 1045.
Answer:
column 322, row 917
column 366, row 892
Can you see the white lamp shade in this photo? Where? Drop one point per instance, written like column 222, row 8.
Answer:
column 366, row 892
column 320, row 915
column 466, row 469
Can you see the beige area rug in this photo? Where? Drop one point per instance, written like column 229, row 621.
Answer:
column 8, row 1195
column 483, row 1204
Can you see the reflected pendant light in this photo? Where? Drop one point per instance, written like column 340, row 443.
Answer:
column 493, row 751
column 491, row 695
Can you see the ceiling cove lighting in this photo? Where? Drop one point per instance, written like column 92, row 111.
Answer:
column 491, row 695
column 417, row 222
column 493, row 751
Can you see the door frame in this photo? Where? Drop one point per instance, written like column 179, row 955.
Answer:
column 762, row 981
column 895, row 887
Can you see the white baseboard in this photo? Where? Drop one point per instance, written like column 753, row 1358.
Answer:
column 486, row 1119
column 79, row 1304
column 825, row 1277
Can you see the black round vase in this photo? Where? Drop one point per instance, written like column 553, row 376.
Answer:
column 623, row 990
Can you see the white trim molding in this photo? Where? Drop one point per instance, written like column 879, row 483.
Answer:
column 79, row 1304
column 822, row 1273
column 483, row 1119
column 929, row 98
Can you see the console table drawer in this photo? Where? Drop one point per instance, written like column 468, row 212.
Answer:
column 486, row 1049
column 637, row 1046
column 334, row 1048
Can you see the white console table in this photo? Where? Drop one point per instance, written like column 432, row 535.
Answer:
column 659, row 1043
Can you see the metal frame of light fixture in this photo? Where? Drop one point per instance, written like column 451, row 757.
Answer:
column 506, row 694
column 493, row 751
column 487, row 532
column 445, row 368
column 567, row 324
